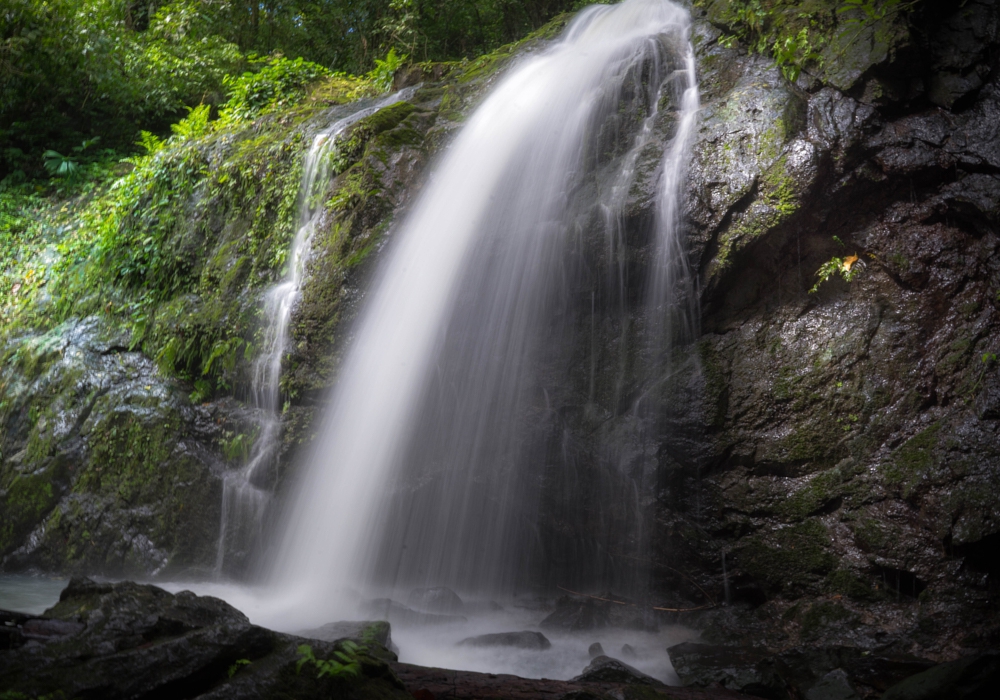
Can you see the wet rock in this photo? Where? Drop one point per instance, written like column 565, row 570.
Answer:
column 971, row 678
column 604, row 669
column 574, row 615
column 595, row 650
column 520, row 640
column 397, row 613
column 127, row 640
column 745, row 669
column 820, row 672
column 440, row 600
column 429, row 683
column 628, row 651
column 378, row 631
column 833, row 686
column 118, row 473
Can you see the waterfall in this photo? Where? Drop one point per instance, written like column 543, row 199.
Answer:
column 455, row 420
column 247, row 492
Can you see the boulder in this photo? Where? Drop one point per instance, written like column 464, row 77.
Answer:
column 127, row 640
column 748, row 670
column 972, row 678
column 520, row 640
column 363, row 633
column 595, row 650
column 604, row 669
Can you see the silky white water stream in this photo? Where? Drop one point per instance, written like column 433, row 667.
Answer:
column 418, row 477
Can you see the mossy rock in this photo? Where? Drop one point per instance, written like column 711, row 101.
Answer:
column 788, row 560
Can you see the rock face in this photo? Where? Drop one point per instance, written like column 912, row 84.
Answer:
column 835, row 453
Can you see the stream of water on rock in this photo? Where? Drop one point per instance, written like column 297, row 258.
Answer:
column 247, row 492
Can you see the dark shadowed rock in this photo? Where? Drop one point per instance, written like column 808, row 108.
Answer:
column 521, row 640
column 972, row 678
column 128, row 640
column 745, row 669
column 440, row 600
column 604, row 669
column 595, row 650
column 628, row 651
column 806, row 672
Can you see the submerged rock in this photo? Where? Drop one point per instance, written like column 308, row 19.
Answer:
column 440, row 599
column 520, row 640
column 397, row 613
column 573, row 615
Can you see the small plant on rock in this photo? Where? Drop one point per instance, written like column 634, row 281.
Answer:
column 346, row 663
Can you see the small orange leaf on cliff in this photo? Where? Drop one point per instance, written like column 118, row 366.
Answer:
column 848, row 261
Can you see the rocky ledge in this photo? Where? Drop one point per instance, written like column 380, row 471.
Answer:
column 130, row 640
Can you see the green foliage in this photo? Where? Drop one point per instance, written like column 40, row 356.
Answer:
column 871, row 11
column 280, row 82
column 789, row 35
column 381, row 76
column 235, row 446
column 345, row 663
column 193, row 126
column 847, row 267
column 793, row 53
column 240, row 663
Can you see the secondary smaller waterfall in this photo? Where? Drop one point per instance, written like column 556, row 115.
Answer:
column 246, row 493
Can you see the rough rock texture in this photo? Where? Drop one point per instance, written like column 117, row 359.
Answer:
column 128, row 640
column 832, row 465
column 112, row 472
column 430, row 683
column 800, row 672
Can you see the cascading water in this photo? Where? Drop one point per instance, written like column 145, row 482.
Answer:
column 451, row 429
column 247, row 493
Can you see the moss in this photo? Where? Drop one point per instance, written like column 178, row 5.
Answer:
column 28, row 497
column 845, row 582
column 820, row 490
column 716, row 385
column 789, row 559
column 871, row 535
column 913, row 461
column 820, row 616
column 126, row 456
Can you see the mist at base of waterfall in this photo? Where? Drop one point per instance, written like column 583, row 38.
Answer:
column 437, row 645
